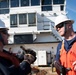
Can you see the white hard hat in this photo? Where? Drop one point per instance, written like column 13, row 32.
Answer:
column 62, row 18
column 3, row 21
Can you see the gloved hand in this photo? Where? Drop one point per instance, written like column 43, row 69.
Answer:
column 29, row 58
column 57, row 65
column 61, row 68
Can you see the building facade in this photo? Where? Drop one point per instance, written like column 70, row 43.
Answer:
column 31, row 24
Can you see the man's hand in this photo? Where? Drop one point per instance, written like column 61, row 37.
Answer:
column 29, row 58
column 61, row 68
column 57, row 65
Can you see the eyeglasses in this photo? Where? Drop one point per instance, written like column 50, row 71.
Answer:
column 60, row 25
column 4, row 32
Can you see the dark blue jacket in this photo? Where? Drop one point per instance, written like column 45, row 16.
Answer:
column 23, row 69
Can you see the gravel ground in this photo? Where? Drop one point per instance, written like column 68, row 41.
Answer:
column 45, row 71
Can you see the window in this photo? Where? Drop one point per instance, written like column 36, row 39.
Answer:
column 24, row 2
column 28, row 19
column 46, row 2
column 4, row 11
column 13, row 20
column 46, row 8
column 4, row 3
column 46, row 5
column 62, row 7
column 32, row 19
column 4, row 6
column 23, row 39
column 35, row 2
column 14, row 3
column 22, row 18
column 58, row 1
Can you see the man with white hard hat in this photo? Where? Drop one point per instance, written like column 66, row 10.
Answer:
column 66, row 50
column 10, row 64
column 3, row 30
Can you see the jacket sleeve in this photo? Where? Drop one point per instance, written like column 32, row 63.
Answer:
column 23, row 69
column 58, row 51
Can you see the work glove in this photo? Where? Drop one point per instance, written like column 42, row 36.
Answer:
column 29, row 58
column 63, row 70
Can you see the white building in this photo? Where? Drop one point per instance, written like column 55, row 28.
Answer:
column 31, row 24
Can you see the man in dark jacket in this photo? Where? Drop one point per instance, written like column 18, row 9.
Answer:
column 10, row 64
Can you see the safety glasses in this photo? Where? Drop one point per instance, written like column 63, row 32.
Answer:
column 60, row 25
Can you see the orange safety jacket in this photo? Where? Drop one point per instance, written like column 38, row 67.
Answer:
column 68, row 58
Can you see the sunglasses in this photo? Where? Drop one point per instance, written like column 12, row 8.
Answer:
column 4, row 32
column 60, row 25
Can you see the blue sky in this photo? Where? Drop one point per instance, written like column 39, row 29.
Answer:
column 71, row 11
